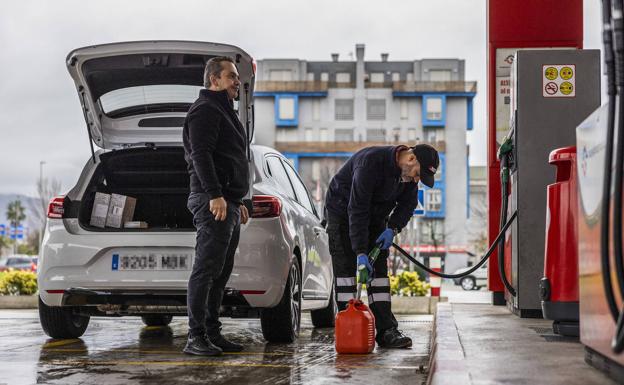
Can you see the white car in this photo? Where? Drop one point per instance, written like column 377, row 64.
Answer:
column 474, row 281
column 135, row 96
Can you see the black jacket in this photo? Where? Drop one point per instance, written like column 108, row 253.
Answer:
column 366, row 190
column 215, row 147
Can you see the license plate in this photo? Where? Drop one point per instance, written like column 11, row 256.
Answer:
column 152, row 261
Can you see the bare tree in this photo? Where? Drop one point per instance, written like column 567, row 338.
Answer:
column 478, row 229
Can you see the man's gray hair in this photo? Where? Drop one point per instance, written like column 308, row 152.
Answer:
column 214, row 67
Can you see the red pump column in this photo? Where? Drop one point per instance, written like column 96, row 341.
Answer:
column 513, row 25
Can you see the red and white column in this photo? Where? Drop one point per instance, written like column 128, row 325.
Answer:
column 435, row 264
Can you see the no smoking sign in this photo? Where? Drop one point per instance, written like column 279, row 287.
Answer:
column 558, row 80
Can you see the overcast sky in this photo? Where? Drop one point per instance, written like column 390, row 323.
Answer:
column 40, row 117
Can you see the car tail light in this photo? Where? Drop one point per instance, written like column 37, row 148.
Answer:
column 254, row 66
column 266, row 206
column 55, row 207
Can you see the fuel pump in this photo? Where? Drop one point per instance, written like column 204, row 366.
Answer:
column 600, row 141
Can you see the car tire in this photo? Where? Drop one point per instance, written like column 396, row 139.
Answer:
column 467, row 283
column 61, row 321
column 157, row 319
column 326, row 317
column 282, row 322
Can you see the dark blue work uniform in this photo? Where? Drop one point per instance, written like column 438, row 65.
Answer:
column 364, row 197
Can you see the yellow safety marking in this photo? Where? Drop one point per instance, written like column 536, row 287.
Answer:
column 60, row 343
column 566, row 88
column 566, row 73
column 147, row 328
column 551, row 73
column 113, row 350
column 211, row 363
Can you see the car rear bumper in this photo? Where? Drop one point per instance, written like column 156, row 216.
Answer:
column 85, row 261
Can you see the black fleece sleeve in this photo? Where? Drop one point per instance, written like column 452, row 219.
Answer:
column 203, row 127
column 362, row 186
column 406, row 203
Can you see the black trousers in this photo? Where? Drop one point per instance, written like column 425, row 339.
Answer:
column 344, row 262
column 214, row 259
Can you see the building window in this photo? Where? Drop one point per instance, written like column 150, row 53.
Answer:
column 343, row 135
column 434, row 111
column 376, row 135
column 343, row 77
column 377, row 77
column 344, row 109
column 433, row 200
column 316, row 109
column 310, row 76
column 324, row 77
column 440, row 75
column 410, row 77
column 396, row 134
column 376, row 109
column 404, row 111
column 396, row 76
column 286, row 110
column 411, row 134
column 323, row 135
column 308, row 134
column 280, row 75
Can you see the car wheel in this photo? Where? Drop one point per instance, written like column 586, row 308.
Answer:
column 467, row 283
column 157, row 319
column 61, row 322
column 326, row 317
column 282, row 322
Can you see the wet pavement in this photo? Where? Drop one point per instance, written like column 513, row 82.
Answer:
column 124, row 351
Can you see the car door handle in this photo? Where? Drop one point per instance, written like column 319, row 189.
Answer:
column 318, row 230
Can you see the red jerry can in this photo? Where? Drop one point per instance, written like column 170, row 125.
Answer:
column 355, row 329
column 559, row 289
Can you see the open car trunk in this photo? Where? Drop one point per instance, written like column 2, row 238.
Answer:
column 156, row 177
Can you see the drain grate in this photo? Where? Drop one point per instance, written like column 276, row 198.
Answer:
column 541, row 330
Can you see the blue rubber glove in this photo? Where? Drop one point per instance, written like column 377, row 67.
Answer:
column 362, row 259
column 386, row 239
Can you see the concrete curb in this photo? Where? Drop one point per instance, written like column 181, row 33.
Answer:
column 415, row 305
column 447, row 363
column 18, row 301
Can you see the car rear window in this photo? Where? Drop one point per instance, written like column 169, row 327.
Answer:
column 148, row 95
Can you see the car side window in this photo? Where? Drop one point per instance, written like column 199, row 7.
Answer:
column 278, row 174
column 302, row 193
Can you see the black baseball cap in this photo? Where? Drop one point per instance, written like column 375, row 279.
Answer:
column 429, row 162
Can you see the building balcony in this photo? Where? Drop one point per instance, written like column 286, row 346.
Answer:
column 455, row 86
column 299, row 86
column 337, row 147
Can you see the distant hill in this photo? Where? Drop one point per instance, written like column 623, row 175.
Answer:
column 27, row 202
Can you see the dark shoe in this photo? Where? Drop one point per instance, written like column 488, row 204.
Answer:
column 392, row 338
column 200, row 346
column 225, row 345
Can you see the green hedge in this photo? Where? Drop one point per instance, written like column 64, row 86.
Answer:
column 18, row 282
column 408, row 284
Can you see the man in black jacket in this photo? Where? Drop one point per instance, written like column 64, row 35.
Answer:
column 369, row 200
column 215, row 150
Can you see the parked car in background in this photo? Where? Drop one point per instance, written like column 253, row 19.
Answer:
column 19, row 262
column 474, row 281
column 135, row 97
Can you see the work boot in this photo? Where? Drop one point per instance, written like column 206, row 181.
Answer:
column 393, row 338
column 201, row 346
column 225, row 345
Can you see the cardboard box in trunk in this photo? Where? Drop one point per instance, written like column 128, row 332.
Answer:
column 120, row 210
column 100, row 209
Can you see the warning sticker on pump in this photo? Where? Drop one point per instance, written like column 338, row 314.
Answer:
column 559, row 81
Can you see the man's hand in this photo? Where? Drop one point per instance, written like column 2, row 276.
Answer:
column 385, row 239
column 362, row 259
column 244, row 214
column 218, row 208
